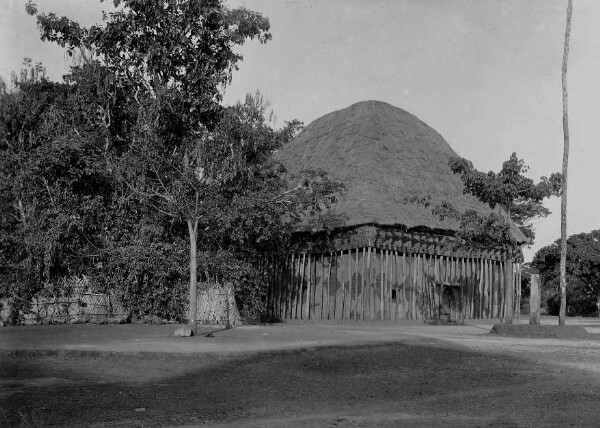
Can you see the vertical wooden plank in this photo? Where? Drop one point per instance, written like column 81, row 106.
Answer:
column 472, row 288
column 304, row 291
column 428, row 284
column 439, row 290
column 341, row 295
column 273, row 270
column 502, row 299
column 309, row 300
column 332, row 285
column 434, row 282
column 322, row 290
column 349, row 289
column 285, row 288
column 347, row 273
column 382, row 286
column 369, row 285
column 385, row 277
column 489, row 279
column 300, row 286
column 463, row 279
column 291, row 287
column 518, row 299
column 415, row 262
column 404, row 291
column 467, row 295
column 349, row 301
column 494, row 289
column 469, row 291
column 327, row 290
column 482, row 287
column 318, row 281
column 486, row 290
column 364, row 291
column 338, row 287
column 409, row 291
column 420, row 283
column 273, row 285
column 390, row 284
column 396, row 284
column 357, row 296
column 281, row 277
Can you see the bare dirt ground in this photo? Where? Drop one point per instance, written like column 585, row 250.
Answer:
column 295, row 375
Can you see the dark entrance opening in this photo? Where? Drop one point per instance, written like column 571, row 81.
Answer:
column 450, row 305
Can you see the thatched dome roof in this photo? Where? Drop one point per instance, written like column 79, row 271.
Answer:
column 386, row 157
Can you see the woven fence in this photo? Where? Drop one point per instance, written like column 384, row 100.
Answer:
column 80, row 304
column 216, row 304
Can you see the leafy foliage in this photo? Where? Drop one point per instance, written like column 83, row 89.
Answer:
column 518, row 195
column 51, row 187
column 583, row 273
column 110, row 173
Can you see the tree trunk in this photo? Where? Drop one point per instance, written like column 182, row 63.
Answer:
column 193, row 232
column 598, row 304
column 565, row 164
column 534, row 300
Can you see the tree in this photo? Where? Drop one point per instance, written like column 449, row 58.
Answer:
column 518, row 196
column 565, row 165
column 180, row 151
column 53, row 185
column 582, row 271
column 172, row 57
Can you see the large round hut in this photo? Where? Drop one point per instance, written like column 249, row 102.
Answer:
column 389, row 257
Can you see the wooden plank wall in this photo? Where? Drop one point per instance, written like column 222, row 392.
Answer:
column 383, row 284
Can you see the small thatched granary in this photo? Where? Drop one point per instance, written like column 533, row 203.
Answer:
column 392, row 258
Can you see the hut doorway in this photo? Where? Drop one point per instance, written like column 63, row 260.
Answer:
column 450, row 305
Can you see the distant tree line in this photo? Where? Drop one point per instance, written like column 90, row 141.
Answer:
column 583, row 274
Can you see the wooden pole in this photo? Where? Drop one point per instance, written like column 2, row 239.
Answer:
column 534, row 300
column 415, row 262
column 363, row 279
column 382, row 290
column 339, row 290
column 409, row 282
column 292, row 297
column 322, row 284
column 396, row 283
column 356, row 306
column 404, row 306
column 371, row 291
column 424, row 284
column 308, row 290
column 464, row 289
column 565, row 168
column 348, row 300
column 330, row 313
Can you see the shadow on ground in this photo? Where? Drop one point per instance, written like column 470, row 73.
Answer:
column 415, row 383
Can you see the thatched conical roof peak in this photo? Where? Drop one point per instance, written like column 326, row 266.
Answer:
column 387, row 158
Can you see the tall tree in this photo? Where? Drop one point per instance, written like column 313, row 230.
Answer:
column 565, row 166
column 171, row 59
column 518, row 196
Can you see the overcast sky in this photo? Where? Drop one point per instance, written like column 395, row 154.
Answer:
column 484, row 73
